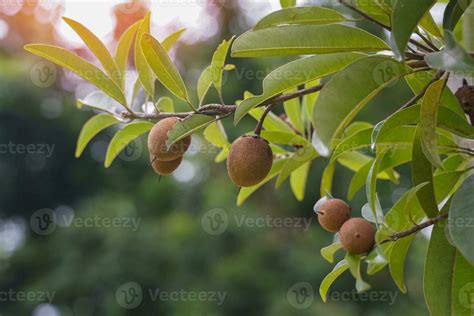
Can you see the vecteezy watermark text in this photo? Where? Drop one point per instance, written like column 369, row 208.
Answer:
column 12, row 295
column 21, row 149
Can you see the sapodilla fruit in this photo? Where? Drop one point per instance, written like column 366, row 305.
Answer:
column 357, row 236
column 157, row 141
column 164, row 168
column 249, row 161
column 333, row 213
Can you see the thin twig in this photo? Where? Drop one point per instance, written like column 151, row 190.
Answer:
column 415, row 229
column 259, row 126
column 420, row 94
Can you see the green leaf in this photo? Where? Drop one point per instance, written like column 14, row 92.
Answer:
column 428, row 120
column 329, row 251
column 293, row 74
column 98, row 49
column 91, row 128
column 397, row 261
column 309, row 100
column 204, row 84
column 301, row 15
column 461, row 226
column 79, row 66
column 298, row 180
column 430, row 26
column 326, row 179
column 218, row 62
column 422, row 171
column 100, row 101
column 141, row 65
column 354, row 262
column 305, row 39
column 188, row 127
column 285, row 138
column 293, row 112
column 453, row 12
column 287, row 3
column 162, row 66
column 340, row 268
column 245, row 193
column 299, row 158
column 405, row 18
column 366, row 78
column 169, row 41
column 165, row 104
column 123, row 138
column 272, row 121
column 377, row 259
column 123, row 48
column 448, row 278
column 372, row 183
column 216, row 135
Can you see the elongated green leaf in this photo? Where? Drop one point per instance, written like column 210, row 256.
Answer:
column 204, row 84
column 218, row 62
column 285, row 138
column 169, row 41
column 397, row 261
column 216, row 135
column 326, row 179
column 453, row 58
column 461, row 219
column 123, row 48
column 428, row 120
column 97, row 48
column 91, row 128
column 100, row 101
column 329, row 251
column 293, row 112
column 339, row 269
column 163, row 67
column 377, row 259
column 165, row 104
column 294, row 74
column 301, row 15
column 405, row 17
column 453, row 13
column 448, row 278
column 299, row 158
column 245, row 193
column 123, row 138
column 141, row 65
column 287, row 3
column 305, row 39
column 430, row 26
column 366, row 77
column 422, row 171
column 272, row 121
column 187, row 127
column 298, row 180
column 80, row 66
column 354, row 262
column 372, row 183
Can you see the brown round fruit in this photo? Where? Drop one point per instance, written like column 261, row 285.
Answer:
column 357, row 236
column 333, row 213
column 164, row 168
column 157, row 141
column 250, row 160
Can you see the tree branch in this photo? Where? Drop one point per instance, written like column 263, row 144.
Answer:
column 415, row 229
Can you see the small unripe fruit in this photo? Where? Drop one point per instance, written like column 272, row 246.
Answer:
column 164, row 168
column 357, row 236
column 333, row 213
column 157, row 141
column 250, row 160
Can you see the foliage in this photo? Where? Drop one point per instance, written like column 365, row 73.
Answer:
column 323, row 95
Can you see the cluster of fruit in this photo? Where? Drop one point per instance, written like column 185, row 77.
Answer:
column 248, row 163
column 357, row 236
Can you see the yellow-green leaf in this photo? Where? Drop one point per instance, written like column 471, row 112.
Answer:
column 141, row 65
column 301, row 15
column 123, row 48
column 169, row 41
column 91, row 128
column 218, row 62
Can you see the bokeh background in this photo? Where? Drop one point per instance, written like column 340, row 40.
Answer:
column 125, row 242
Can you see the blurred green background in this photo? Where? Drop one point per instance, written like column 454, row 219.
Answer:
column 125, row 242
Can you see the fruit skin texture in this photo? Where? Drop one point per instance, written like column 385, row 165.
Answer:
column 164, row 168
column 250, row 160
column 333, row 213
column 357, row 236
column 157, row 141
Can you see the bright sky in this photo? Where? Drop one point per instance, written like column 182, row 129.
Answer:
column 97, row 15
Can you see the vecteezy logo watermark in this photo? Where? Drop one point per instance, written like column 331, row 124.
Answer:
column 369, row 296
column 216, row 222
column 45, row 221
column 466, row 295
column 43, row 74
column 130, row 295
column 300, row 295
column 27, row 296
column 20, row 149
